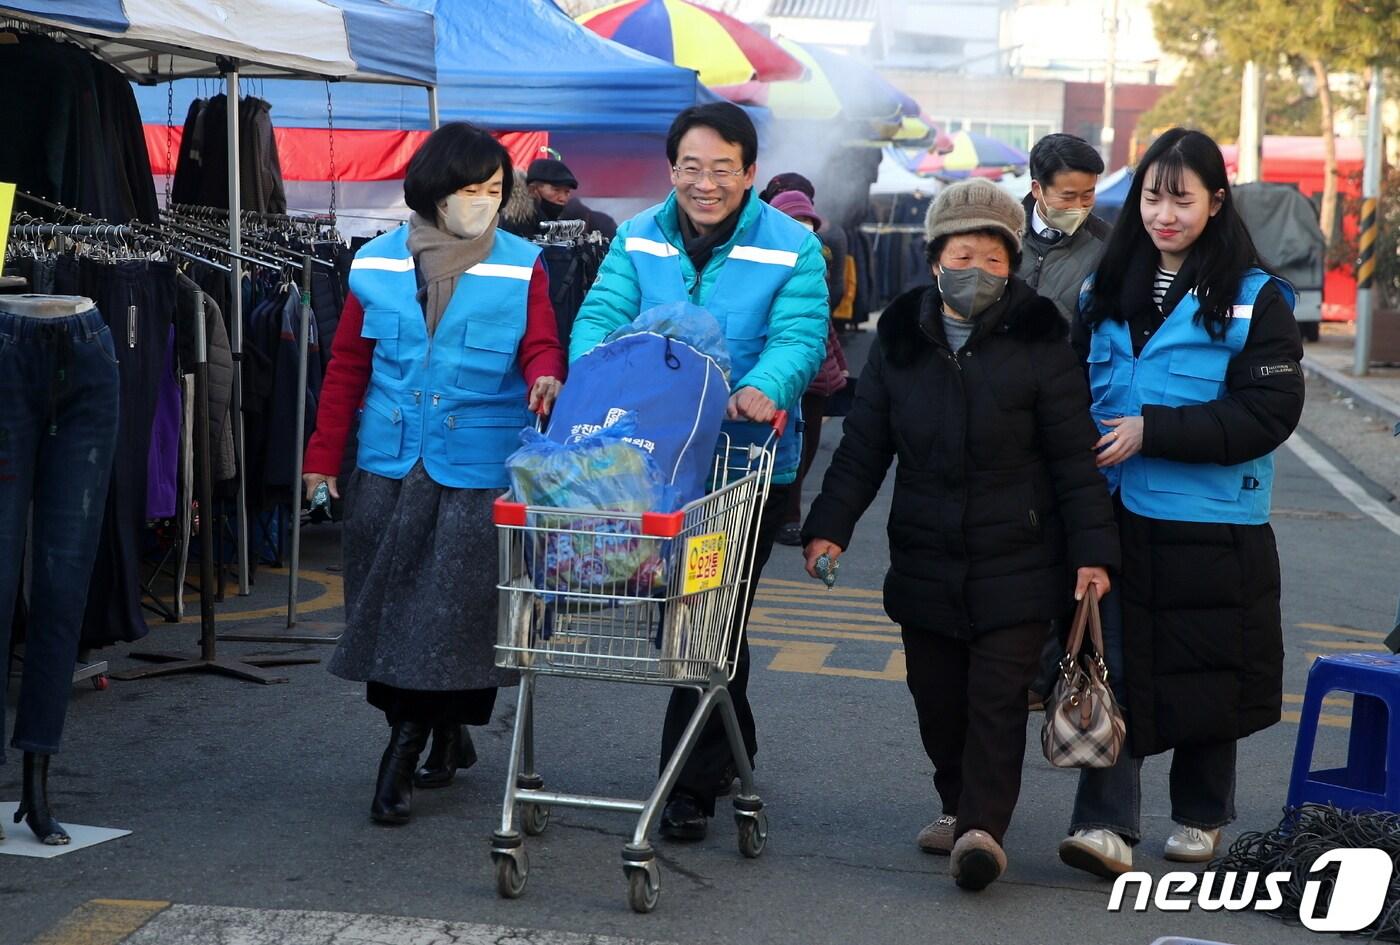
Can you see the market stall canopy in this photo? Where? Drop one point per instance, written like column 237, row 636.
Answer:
column 153, row 40
column 507, row 65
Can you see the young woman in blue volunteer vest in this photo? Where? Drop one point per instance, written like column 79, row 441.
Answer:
column 762, row 275
column 999, row 519
column 446, row 347
column 1192, row 354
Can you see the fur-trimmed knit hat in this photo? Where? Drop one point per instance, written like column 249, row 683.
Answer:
column 975, row 204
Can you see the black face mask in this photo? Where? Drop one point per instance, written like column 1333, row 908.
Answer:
column 971, row 291
column 548, row 211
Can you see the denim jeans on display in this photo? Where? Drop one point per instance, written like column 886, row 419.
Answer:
column 58, row 429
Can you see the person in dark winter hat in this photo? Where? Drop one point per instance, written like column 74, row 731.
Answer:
column 552, row 185
column 999, row 516
column 1192, row 353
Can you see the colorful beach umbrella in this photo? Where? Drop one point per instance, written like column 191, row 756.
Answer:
column 723, row 50
column 972, row 155
column 836, row 86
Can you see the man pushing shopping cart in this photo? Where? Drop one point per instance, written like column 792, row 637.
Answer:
column 761, row 274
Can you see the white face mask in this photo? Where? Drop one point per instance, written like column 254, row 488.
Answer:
column 467, row 217
column 1066, row 221
column 808, row 225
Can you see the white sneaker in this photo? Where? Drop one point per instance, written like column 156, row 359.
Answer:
column 1101, row 852
column 1191, row 844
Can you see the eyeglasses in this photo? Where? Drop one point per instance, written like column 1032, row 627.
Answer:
column 693, row 175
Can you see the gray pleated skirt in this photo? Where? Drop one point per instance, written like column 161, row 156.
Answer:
column 420, row 585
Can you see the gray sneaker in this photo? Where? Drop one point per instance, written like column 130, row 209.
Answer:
column 937, row 837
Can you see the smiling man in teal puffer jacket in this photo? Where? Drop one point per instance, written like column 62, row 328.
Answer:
column 762, row 275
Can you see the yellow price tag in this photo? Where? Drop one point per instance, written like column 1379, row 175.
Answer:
column 7, row 204
column 704, row 562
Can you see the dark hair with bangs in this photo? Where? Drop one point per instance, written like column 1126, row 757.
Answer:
column 455, row 155
column 1224, row 250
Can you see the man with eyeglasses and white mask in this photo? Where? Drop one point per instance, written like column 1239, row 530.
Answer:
column 1064, row 239
column 713, row 242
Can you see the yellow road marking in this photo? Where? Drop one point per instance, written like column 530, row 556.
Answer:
column 1294, row 699
column 1348, row 631
column 819, row 590
column 817, row 599
column 1346, row 645
column 795, row 656
column 1335, row 721
column 332, row 596
column 823, row 634
column 781, row 615
column 102, row 922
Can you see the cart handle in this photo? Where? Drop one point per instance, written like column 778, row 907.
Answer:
column 780, row 423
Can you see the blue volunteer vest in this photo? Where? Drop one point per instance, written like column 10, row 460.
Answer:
column 457, row 400
column 1180, row 365
column 759, row 264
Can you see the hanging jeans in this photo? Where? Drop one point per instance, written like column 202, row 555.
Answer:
column 58, row 430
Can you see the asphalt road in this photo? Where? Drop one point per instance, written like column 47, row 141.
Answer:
column 248, row 803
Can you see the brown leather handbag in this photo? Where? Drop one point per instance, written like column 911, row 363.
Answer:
column 1084, row 728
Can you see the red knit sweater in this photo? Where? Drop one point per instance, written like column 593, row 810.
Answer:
column 347, row 375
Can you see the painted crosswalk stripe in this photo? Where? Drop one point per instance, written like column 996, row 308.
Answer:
column 197, row 925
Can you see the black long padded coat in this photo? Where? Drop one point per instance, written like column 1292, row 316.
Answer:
column 1202, row 628
column 996, row 498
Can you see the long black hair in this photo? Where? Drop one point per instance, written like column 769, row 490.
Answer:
column 1222, row 253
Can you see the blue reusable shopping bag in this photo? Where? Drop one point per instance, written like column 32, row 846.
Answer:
column 676, row 390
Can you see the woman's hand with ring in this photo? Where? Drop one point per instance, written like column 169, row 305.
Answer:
column 1121, row 443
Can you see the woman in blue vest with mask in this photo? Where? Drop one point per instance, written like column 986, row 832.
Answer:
column 446, row 348
column 1192, row 354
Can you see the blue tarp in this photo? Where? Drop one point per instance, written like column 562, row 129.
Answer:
column 385, row 41
column 507, row 65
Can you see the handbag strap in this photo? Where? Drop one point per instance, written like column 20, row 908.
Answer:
column 1081, row 623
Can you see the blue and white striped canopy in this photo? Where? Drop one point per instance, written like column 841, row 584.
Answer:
column 360, row 40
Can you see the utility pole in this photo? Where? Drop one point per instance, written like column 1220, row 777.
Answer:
column 1370, row 193
column 1110, row 66
column 1251, row 149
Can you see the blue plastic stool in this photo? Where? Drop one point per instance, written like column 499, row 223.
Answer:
column 1371, row 778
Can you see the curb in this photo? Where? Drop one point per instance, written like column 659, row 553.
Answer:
column 1356, row 389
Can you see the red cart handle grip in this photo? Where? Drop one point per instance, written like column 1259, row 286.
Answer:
column 780, row 423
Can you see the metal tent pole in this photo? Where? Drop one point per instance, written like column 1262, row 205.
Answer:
column 303, row 343
column 434, row 121
column 236, row 323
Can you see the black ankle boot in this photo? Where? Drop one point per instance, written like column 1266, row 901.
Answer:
column 34, row 803
column 393, row 795
column 452, row 751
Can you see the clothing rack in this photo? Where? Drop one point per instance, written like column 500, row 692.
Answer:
column 250, row 668
column 556, row 231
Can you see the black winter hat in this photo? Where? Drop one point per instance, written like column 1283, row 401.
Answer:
column 550, row 171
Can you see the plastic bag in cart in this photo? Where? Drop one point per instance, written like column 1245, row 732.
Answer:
column 580, row 549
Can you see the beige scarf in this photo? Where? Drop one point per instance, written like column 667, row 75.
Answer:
column 441, row 258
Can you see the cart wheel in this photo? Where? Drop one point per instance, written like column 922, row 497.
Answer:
column 534, row 818
column 753, row 834
column 512, row 870
column 100, row 683
column 642, row 889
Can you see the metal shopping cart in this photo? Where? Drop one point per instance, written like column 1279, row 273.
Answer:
column 650, row 598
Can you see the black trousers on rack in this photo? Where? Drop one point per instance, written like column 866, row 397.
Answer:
column 137, row 299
